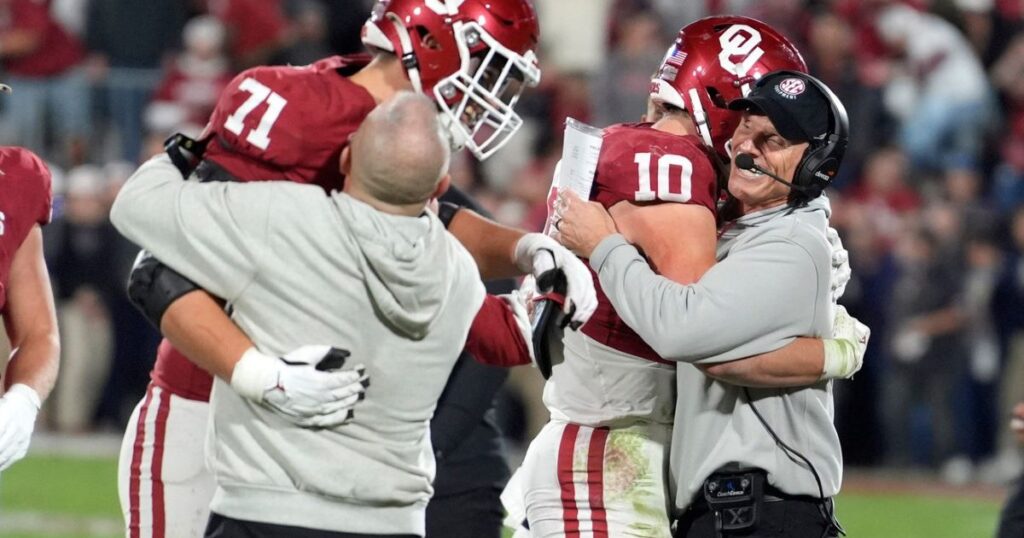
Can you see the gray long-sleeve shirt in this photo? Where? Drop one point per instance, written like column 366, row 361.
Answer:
column 299, row 266
column 770, row 285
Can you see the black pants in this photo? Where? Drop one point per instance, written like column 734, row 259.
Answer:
column 1011, row 520
column 788, row 518
column 225, row 527
column 472, row 514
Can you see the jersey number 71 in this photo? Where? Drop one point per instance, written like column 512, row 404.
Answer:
column 258, row 93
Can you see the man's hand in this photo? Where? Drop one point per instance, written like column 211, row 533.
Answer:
column 306, row 386
column 844, row 352
column 538, row 254
column 581, row 225
column 18, row 409
column 840, row 265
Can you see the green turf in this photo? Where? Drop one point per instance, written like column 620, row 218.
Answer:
column 915, row 516
column 88, row 488
column 61, row 485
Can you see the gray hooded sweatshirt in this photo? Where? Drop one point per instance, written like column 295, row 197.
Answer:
column 298, row 266
column 771, row 284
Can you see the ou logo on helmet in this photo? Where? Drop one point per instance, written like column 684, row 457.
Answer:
column 444, row 7
column 740, row 40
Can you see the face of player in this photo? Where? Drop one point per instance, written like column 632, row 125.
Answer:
column 757, row 136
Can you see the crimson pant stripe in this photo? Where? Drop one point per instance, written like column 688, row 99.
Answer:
column 595, row 479
column 158, row 464
column 134, row 520
column 570, row 514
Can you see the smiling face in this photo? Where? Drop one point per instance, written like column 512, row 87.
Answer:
column 757, row 136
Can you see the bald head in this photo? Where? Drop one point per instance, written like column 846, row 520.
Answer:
column 399, row 153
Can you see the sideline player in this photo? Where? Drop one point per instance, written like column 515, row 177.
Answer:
column 25, row 298
column 600, row 465
column 474, row 58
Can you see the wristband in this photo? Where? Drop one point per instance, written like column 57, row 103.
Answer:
column 840, row 359
column 26, row 393
column 253, row 374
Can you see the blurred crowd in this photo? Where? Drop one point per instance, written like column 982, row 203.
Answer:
column 930, row 201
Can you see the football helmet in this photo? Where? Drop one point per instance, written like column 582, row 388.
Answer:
column 715, row 60
column 474, row 57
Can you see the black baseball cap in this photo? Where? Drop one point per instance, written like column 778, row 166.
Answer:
column 793, row 103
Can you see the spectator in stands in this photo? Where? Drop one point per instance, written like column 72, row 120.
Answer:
column 1008, row 77
column 44, row 62
column 309, row 33
column 128, row 64
column 79, row 247
column 979, row 389
column 191, row 86
column 884, row 193
column 257, row 30
column 938, row 89
column 832, row 58
column 926, row 350
column 623, row 83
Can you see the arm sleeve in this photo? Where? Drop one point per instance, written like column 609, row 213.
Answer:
column 747, row 304
column 212, row 233
column 467, row 397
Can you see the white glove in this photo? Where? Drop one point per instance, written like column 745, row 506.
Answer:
column 844, row 352
column 293, row 387
column 840, row 264
column 537, row 254
column 18, row 410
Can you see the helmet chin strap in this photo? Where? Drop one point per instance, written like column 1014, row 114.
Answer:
column 408, row 56
column 700, row 117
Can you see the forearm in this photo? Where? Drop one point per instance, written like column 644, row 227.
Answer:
column 799, row 363
column 197, row 325
column 491, row 244
column 698, row 322
column 35, row 363
column 30, row 320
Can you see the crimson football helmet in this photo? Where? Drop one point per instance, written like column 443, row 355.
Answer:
column 715, row 60
column 474, row 57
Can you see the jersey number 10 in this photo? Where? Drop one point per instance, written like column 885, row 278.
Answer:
column 258, row 93
column 666, row 191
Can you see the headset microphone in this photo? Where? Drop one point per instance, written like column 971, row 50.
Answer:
column 745, row 161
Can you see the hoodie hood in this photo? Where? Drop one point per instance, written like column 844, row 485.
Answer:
column 405, row 263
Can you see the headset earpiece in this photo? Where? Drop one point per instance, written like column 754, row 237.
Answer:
column 821, row 161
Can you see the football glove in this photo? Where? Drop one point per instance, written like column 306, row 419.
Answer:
column 538, row 254
column 18, row 410
column 840, row 265
column 305, row 386
column 844, row 352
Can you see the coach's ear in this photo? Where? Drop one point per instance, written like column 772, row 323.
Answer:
column 346, row 160
column 442, row 186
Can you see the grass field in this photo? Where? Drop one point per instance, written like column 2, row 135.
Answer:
column 63, row 497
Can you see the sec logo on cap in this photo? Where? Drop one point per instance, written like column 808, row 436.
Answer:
column 791, row 87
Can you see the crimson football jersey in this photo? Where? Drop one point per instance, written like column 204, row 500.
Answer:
column 26, row 201
column 283, row 122
column 642, row 165
column 273, row 123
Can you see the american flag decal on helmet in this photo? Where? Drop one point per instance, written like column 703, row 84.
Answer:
column 676, row 58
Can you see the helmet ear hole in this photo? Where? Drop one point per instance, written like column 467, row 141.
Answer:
column 426, row 39
column 716, row 97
